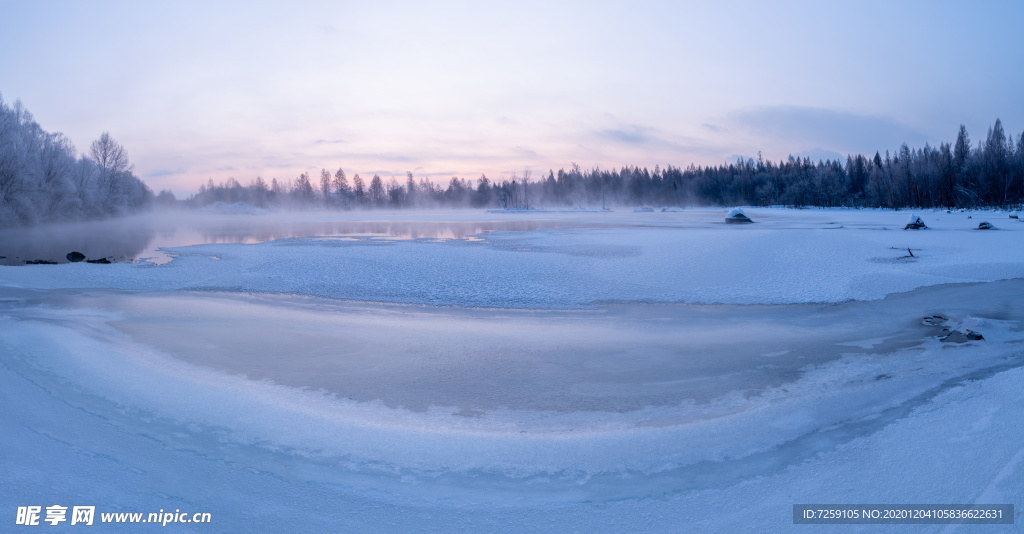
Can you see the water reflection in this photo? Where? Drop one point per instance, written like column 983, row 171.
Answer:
column 141, row 237
column 120, row 240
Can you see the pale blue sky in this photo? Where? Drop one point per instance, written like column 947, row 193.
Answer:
column 209, row 89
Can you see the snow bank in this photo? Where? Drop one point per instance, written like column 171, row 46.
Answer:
column 135, row 414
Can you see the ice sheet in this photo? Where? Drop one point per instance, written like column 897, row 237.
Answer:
column 788, row 256
column 620, row 403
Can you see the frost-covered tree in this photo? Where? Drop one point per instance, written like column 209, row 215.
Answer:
column 411, row 190
column 997, row 165
column 42, row 179
column 165, row 198
column 302, row 193
column 395, row 193
column 341, row 182
column 359, row 190
column 483, row 195
column 376, row 192
column 325, row 186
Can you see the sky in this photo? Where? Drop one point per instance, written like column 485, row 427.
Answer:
column 199, row 90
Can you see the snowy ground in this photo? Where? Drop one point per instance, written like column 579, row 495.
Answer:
column 617, row 372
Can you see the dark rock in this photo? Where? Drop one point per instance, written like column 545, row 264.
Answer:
column 934, row 320
column 40, row 262
column 75, row 257
column 985, row 225
column 101, row 260
column 957, row 336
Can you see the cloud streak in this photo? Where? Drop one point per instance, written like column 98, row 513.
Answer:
column 633, row 135
column 658, row 143
column 826, row 129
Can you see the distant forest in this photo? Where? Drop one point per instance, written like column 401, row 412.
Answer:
column 989, row 174
column 42, row 179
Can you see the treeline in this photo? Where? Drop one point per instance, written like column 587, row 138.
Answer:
column 336, row 191
column 958, row 175
column 42, row 179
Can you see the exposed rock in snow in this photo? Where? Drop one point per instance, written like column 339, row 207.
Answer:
column 736, row 216
column 957, row 336
column 985, row 225
column 915, row 223
column 962, row 331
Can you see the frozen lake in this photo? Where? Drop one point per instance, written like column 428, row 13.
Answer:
column 516, row 372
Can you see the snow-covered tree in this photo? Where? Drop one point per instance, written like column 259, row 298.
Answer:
column 325, row 186
column 376, row 192
column 42, row 179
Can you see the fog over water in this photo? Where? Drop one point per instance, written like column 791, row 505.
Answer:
column 141, row 237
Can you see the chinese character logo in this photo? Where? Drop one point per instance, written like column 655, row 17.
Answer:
column 82, row 514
